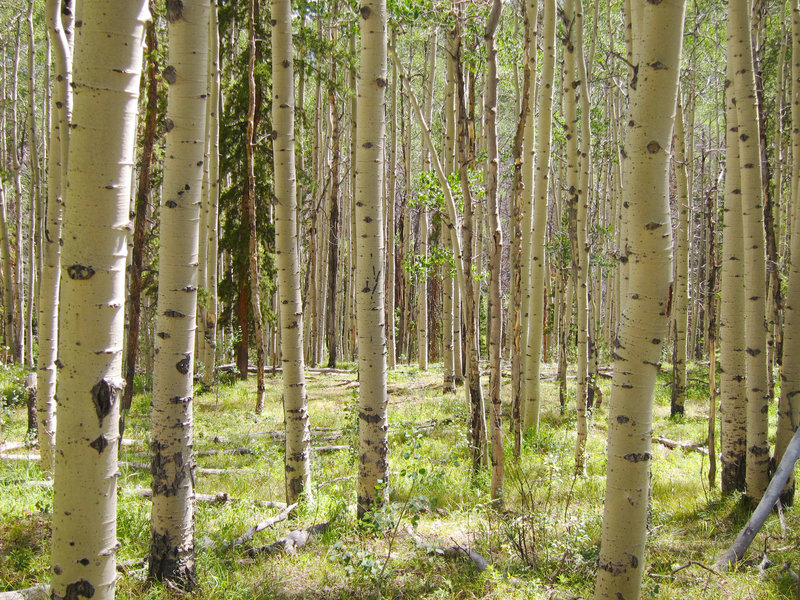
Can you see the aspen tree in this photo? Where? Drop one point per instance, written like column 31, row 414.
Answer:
column 172, row 523
column 521, row 154
column 207, row 338
column 422, row 285
column 495, row 252
column 250, row 207
column 34, row 193
column 391, row 202
column 373, row 444
column 61, row 102
column 331, row 333
column 107, row 68
column 470, row 294
column 656, row 37
column 755, row 278
column 541, row 170
column 141, row 209
column 680, row 302
column 295, row 404
column 789, row 406
column 733, row 404
column 575, row 84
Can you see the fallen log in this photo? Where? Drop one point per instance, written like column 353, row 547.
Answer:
column 231, row 367
column 215, row 498
column 37, row 592
column 11, row 446
column 250, row 533
column 290, row 543
column 742, row 542
column 29, row 456
column 682, row 445
column 198, row 470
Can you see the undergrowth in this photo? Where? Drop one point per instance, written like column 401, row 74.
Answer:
column 546, row 538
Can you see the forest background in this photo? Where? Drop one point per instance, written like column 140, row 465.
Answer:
column 507, row 250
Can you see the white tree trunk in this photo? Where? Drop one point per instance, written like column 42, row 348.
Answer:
column 372, row 432
column 298, row 435
column 656, row 39
column 107, row 69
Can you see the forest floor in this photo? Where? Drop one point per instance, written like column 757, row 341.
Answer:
column 542, row 544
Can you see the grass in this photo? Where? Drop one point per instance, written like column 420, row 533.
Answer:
column 546, row 537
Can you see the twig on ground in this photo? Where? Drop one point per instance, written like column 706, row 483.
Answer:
column 250, row 533
column 290, row 543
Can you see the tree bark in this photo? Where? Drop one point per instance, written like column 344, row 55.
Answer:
column 373, row 400
column 656, row 39
column 107, row 69
column 295, row 403
column 172, row 555
column 755, row 278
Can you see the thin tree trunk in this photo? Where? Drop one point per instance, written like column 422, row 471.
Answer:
column 142, row 205
column 51, row 249
column 373, row 444
column 680, row 299
column 495, row 254
column 295, row 403
column 733, row 404
column 250, row 201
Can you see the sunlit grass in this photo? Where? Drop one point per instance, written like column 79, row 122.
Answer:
column 547, row 534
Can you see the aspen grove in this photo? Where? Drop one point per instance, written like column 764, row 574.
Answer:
column 337, row 299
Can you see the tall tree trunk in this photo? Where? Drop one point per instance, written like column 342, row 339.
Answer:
column 250, row 201
column 541, row 170
column 755, row 277
column 142, row 206
column 521, row 152
column 172, row 556
column 107, row 69
column 680, row 300
column 391, row 202
column 373, row 444
column 422, row 282
column 295, row 404
column 495, row 252
column 465, row 142
column 207, row 340
column 656, row 39
column 34, row 195
column 733, row 403
column 61, row 100
column 331, row 333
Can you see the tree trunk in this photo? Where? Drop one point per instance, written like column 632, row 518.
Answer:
column 295, row 404
column 373, row 400
column 680, row 296
column 656, row 38
column 755, row 279
column 172, row 556
column 733, row 404
column 142, row 204
column 107, row 69
column 495, row 254
column 49, row 286
column 540, row 176
column 250, row 202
